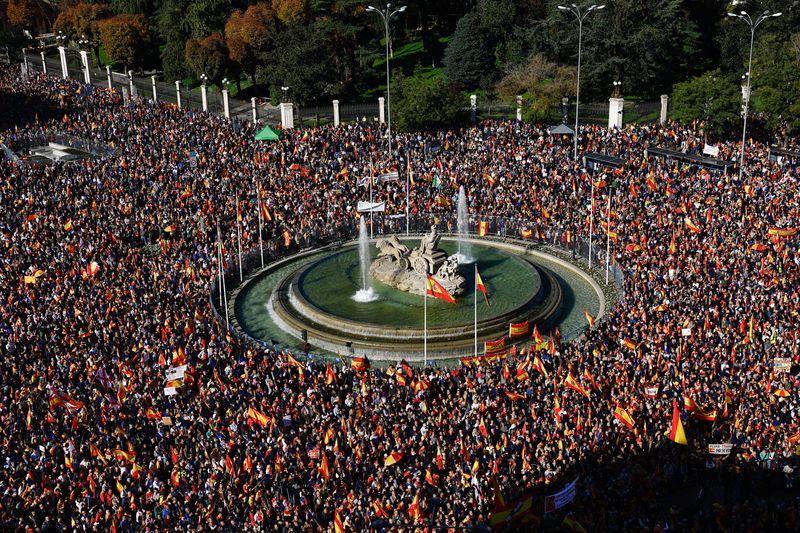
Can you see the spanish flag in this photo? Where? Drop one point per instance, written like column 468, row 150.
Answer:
column 330, row 375
column 537, row 364
column 589, row 318
column 480, row 286
column 519, row 329
column 689, row 404
column 483, row 228
column 708, row 416
column 514, row 396
column 526, row 233
column 360, row 363
column 691, row 225
column 629, row 344
column 495, row 347
column 287, row 238
column 338, row 525
column 323, row 467
column 782, row 232
column 623, row 416
column 437, row 291
column 676, row 433
column 257, row 416
column 573, row 384
column 392, row 458
column 537, row 337
column 413, row 509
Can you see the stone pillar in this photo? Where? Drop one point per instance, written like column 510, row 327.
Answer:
column 225, row 103
column 519, row 108
column 336, row 112
column 62, row 54
column 287, row 115
column 664, row 103
column 745, row 94
column 254, row 106
column 615, row 112
column 381, row 112
column 130, row 84
column 155, row 91
column 44, row 64
column 25, row 59
column 108, row 76
column 87, row 76
column 178, row 92
column 204, row 96
column 473, row 108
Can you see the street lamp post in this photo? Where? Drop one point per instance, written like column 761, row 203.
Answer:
column 753, row 25
column 575, row 10
column 387, row 16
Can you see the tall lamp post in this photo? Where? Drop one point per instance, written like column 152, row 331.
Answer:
column 753, row 25
column 387, row 16
column 575, row 10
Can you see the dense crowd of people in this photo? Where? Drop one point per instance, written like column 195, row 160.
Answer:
column 106, row 269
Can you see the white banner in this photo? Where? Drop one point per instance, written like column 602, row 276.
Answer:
column 713, row 151
column 389, row 176
column 176, row 372
column 782, row 365
column 560, row 499
column 371, row 207
column 170, row 391
column 719, row 449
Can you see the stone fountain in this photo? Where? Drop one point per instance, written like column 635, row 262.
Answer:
column 405, row 269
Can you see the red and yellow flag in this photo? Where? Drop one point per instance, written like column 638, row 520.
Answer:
column 479, row 285
column 330, row 375
column 676, row 433
column 338, row 525
column 483, row 228
column 393, row 458
column 436, row 290
column 623, row 416
column 360, row 363
column 539, row 366
column 257, row 416
column 691, row 225
column 324, row 471
column 589, row 318
column 519, row 329
column 573, row 384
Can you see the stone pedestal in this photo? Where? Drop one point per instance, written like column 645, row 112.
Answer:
column 254, row 107
column 108, row 77
column 664, row 104
column 615, row 106
column 473, row 108
column 519, row 108
column 130, row 84
column 381, row 112
column 62, row 54
column 178, row 92
column 155, row 90
column 225, row 104
column 287, row 115
column 204, row 96
column 44, row 64
column 85, row 66
column 336, row 112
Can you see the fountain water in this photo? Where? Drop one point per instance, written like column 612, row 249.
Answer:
column 462, row 225
column 366, row 293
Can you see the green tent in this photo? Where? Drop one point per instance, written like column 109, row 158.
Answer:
column 269, row 134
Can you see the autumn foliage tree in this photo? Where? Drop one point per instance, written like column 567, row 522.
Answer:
column 208, row 56
column 82, row 21
column 22, row 13
column 289, row 12
column 249, row 35
column 126, row 39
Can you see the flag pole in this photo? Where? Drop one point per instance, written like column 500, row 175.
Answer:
column 425, row 335
column 372, row 206
column 219, row 267
column 476, row 309
column 239, row 238
column 260, row 238
column 608, row 236
column 591, row 222
column 408, row 191
column 224, row 288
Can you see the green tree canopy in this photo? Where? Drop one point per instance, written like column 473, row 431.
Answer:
column 420, row 104
column 712, row 98
column 467, row 59
column 208, row 56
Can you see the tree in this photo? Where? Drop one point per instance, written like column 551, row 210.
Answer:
column 249, row 36
column 776, row 80
column 712, row 98
column 290, row 11
column 22, row 13
column 126, row 39
column 82, row 21
column 420, row 104
column 310, row 81
column 541, row 83
column 202, row 17
column 208, row 56
column 467, row 59
column 174, row 35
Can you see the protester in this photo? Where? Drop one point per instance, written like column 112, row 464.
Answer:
column 106, row 269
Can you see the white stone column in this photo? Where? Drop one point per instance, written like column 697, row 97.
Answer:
column 473, row 108
column 44, row 64
column 87, row 76
column 287, row 115
column 254, row 107
column 62, row 54
column 745, row 94
column 178, row 92
column 336, row 112
column 108, row 76
column 381, row 110
column 615, row 112
column 155, row 91
column 204, row 96
column 519, row 108
column 664, row 104
column 130, row 84
column 225, row 103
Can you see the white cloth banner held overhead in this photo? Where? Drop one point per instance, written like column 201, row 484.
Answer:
column 371, row 207
column 560, row 499
column 713, row 151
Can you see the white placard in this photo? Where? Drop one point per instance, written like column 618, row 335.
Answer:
column 720, row 449
column 176, row 372
column 170, row 391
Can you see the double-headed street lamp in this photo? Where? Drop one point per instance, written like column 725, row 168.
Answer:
column 753, row 25
column 575, row 10
column 387, row 16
